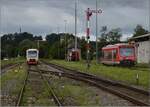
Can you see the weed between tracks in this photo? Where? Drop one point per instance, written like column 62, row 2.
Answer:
column 17, row 73
column 36, row 93
column 34, row 98
column 74, row 93
column 11, row 83
column 125, row 74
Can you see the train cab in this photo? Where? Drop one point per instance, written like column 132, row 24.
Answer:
column 32, row 56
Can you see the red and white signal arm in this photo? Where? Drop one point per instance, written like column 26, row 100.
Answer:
column 98, row 11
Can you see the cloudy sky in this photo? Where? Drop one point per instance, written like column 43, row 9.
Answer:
column 41, row 17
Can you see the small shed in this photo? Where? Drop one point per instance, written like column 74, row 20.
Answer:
column 142, row 46
column 71, row 48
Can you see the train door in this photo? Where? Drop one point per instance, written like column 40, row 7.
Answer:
column 114, row 56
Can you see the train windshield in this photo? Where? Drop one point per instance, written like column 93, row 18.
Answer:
column 32, row 53
column 126, row 51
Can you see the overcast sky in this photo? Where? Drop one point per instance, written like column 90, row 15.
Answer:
column 41, row 17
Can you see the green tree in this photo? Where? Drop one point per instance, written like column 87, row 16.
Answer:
column 103, row 38
column 108, row 37
column 139, row 30
column 114, row 35
column 9, row 43
column 52, row 38
column 24, row 45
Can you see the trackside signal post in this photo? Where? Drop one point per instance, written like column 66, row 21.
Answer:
column 88, row 15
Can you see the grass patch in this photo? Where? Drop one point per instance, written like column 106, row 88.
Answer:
column 81, row 95
column 11, row 82
column 11, row 61
column 36, row 97
column 74, row 93
column 17, row 73
column 125, row 74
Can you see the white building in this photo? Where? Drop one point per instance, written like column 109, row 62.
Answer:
column 142, row 44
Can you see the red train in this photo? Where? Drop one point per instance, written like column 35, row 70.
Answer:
column 118, row 54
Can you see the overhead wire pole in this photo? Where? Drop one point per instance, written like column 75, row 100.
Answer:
column 20, row 29
column 65, row 41
column 59, row 41
column 38, row 44
column 96, row 35
column 149, row 15
column 149, row 26
column 75, row 24
column 19, row 34
column 0, row 19
column 75, row 28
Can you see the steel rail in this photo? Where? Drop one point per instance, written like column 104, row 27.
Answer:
column 88, row 78
column 20, row 96
column 50, row 90
column 98, row 78
column 105, row 88
column 8, row 67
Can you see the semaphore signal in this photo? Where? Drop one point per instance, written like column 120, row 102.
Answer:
column 88, row 15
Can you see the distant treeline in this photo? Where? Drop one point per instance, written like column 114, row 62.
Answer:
column 14, row 45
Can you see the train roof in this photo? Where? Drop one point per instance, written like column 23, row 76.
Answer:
column 116, row 45
column 32, row 49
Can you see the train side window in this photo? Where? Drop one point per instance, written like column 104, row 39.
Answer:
column 108, row 55
column 114, row 54
column 105, row 54
column 102, row 54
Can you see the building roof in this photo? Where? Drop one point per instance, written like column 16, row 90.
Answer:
column 144, row 37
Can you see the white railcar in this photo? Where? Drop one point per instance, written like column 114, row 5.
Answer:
column 32, row 56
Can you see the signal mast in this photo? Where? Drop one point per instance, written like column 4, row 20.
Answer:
column 88, row 15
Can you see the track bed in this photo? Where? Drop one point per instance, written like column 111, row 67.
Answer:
column 132, row 94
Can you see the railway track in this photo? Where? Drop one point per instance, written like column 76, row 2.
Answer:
column 136, row 96
column 18, row 102
column 50, row 90
column 36, row 82
column 8, row 67
column 8, row 87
